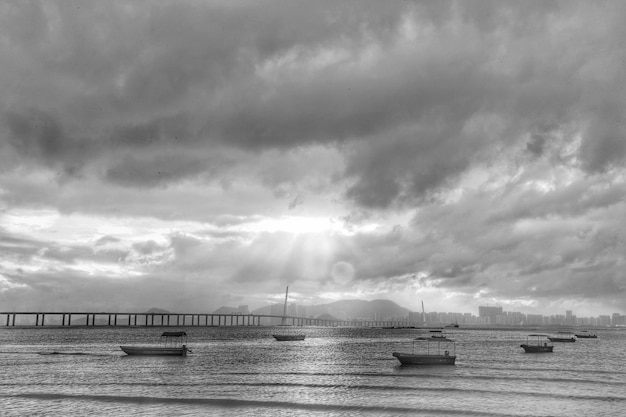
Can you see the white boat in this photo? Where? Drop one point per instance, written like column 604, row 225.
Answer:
column 172, row 344
column 287, row 336
column 429, row 354
column 586, row 334
column 563, row 337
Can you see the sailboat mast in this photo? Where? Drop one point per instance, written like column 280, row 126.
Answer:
column 285, row 307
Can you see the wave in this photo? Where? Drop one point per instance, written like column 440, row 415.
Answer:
column 411, row 375
column 400, row 388
column 350, row 387
column 54, row 352
column 238, row 403
column 487, row 365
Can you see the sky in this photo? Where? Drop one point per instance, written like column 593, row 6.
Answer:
column 188, row 155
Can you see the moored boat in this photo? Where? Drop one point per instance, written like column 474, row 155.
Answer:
column 566, row 337
column 172, row 344
column 537, row 343
column 154, row 350
column 586, row 334
column 428, row 354
column 288, row 337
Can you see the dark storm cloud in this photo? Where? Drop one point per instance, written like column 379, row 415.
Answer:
column 574, row 200
column 499, row 127
column 255, row 77
column 39, row 138
column 156, row 170
column 605, row 143
column 536, row 144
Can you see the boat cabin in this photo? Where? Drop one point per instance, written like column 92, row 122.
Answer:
column 433, row 350
column 173, row 339
column 537, row 343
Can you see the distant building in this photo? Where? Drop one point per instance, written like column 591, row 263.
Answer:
column 490, row 313
column 415, row 317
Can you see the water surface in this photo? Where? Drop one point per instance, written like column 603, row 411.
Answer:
column 235, row 371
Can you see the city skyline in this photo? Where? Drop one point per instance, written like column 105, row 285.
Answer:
column 185, row 153
column 487, row 315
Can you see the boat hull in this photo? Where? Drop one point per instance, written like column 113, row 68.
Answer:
column 586, row 336
column 155, row 350
column 412, row 359
column 537, row 348
column 562, row 339
column 288, row 337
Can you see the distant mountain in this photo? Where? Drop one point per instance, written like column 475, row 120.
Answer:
column 338, row 310
column 346, row 310
column 327, row 317
column 273, row 309
column 155, row 310
column 360, row 309
column 227, row 310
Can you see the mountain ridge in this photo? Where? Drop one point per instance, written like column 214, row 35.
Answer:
column 380, row 309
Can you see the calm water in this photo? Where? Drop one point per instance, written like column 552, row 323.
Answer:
column 335, row 371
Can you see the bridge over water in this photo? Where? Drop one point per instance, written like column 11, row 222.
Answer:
column 73, row 319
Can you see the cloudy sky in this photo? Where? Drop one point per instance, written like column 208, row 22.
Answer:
column 193, row 154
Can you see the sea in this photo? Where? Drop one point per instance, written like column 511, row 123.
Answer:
column 335, row 371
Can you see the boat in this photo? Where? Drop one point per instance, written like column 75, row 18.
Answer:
column 287, row 336
column 537, row 343
column 586, row 334
column 171, row 344
column 562, row 337
column 428, row 354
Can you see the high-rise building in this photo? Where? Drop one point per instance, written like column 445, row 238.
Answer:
column 490, row 312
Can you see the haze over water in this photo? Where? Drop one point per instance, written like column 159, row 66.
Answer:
column 236, row 371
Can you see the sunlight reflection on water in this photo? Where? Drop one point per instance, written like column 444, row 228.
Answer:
column 335, row 371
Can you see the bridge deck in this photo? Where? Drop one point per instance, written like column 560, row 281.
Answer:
column 68, row 319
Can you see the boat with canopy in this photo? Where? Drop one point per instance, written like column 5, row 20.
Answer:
column 171, row 344
column 433, row 350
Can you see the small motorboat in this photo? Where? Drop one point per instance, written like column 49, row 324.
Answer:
column 566, row 337
column 586, row 334
column 537, row 343
column 172, row 344
column 427, row 353
column 288, row 337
